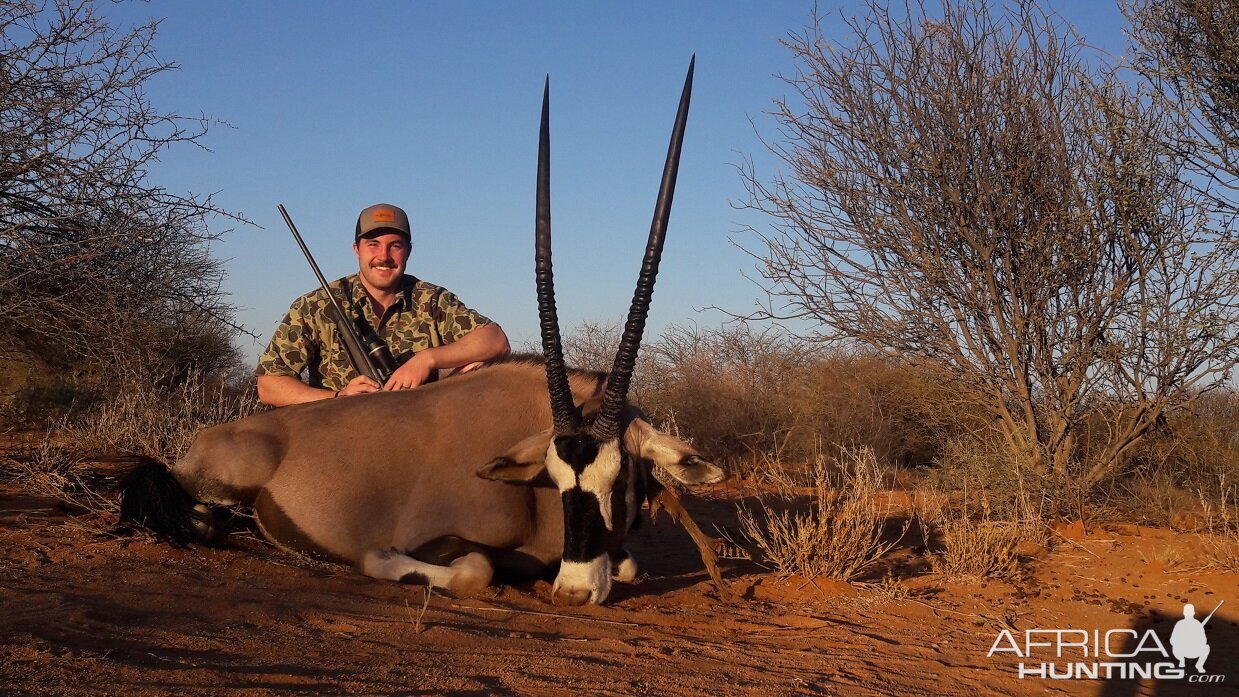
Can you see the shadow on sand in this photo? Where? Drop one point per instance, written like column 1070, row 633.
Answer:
column 1220, row 677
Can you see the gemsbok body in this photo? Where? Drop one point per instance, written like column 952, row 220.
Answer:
column 514, row 468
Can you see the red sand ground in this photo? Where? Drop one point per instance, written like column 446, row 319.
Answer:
column 82, row 612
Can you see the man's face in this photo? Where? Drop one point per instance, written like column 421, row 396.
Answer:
column 382, row 259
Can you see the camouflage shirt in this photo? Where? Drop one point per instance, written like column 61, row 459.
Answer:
column 423, row 316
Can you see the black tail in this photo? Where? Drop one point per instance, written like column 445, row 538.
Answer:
column 152, row 499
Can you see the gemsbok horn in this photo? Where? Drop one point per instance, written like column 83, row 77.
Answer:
column 455, row 482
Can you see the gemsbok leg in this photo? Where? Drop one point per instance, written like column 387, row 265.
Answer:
column 468, row 574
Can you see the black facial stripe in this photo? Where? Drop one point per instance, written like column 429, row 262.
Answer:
column 639, row 488
column 619, row 501
column 578, row 452
column 584, row 529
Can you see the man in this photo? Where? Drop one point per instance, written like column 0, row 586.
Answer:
column 426, row 327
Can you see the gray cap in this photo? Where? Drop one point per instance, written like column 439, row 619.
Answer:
column 382, row 216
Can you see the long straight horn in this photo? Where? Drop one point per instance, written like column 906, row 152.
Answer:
column 566, row 416
column 607, row 425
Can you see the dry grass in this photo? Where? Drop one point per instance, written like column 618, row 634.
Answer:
column 69, row 463
column 416, row 621
column 741, row 392
column 751, row 398
column 966, row 540
column 1220, row 552
column 978, row 549
column 55, row 470
column 1219, row 547
column 891, row 588
column 839, row 535
column 140, row 420
column 1168, row 557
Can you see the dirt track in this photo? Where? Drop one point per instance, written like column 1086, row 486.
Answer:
column 85, row 613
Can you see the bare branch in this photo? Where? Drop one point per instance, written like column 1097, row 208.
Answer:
column 96, row 261
column 969, row 191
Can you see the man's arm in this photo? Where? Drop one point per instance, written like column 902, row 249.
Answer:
column 486, row 343
column 282, row 390
column 293, row 346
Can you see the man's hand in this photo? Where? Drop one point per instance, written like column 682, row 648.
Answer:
column 361, row 384
column 414, row 372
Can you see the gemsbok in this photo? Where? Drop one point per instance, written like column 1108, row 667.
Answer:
column 457, row 481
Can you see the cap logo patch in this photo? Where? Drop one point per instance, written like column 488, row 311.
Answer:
column 384, row 216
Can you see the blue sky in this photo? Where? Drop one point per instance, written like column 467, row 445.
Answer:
column 434, row 106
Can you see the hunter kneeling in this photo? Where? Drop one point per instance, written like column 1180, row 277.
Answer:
column 425, row 327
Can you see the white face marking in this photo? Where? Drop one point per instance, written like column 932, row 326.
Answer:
column 578, row 576
column 561, row 472
column 598, row 478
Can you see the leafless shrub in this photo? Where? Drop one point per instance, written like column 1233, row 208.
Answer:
column 98, row 265
column 156, row 423
column 750, row 395
column 1002, row 479
column 768, row 408
column 1188, row 49
column 1220, row 551
column 974, row 544
column 840, row 535
column 974, row 191
column 731, row 389
column 1149, row 498
column 1219, row 546
column 1196, row 449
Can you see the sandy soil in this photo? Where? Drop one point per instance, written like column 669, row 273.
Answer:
column 84, row 612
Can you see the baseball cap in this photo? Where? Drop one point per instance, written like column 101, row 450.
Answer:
column 382, row 216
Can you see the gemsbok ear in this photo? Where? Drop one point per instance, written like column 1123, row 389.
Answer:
column 677, row 458
column 524, row 463
column 693, row 469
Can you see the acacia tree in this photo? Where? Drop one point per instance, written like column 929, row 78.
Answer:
column 966, row 190
column 1189, row 50
column 98, row 265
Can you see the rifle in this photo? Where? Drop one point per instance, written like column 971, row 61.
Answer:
column 1206, row 621
column 366, row 351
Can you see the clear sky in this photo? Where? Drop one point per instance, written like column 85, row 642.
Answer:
column 433, row 106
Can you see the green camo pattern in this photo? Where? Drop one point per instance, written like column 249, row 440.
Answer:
column 423, row 316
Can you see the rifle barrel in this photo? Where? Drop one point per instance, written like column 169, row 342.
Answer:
column 1219, row 606
column 353, row 343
